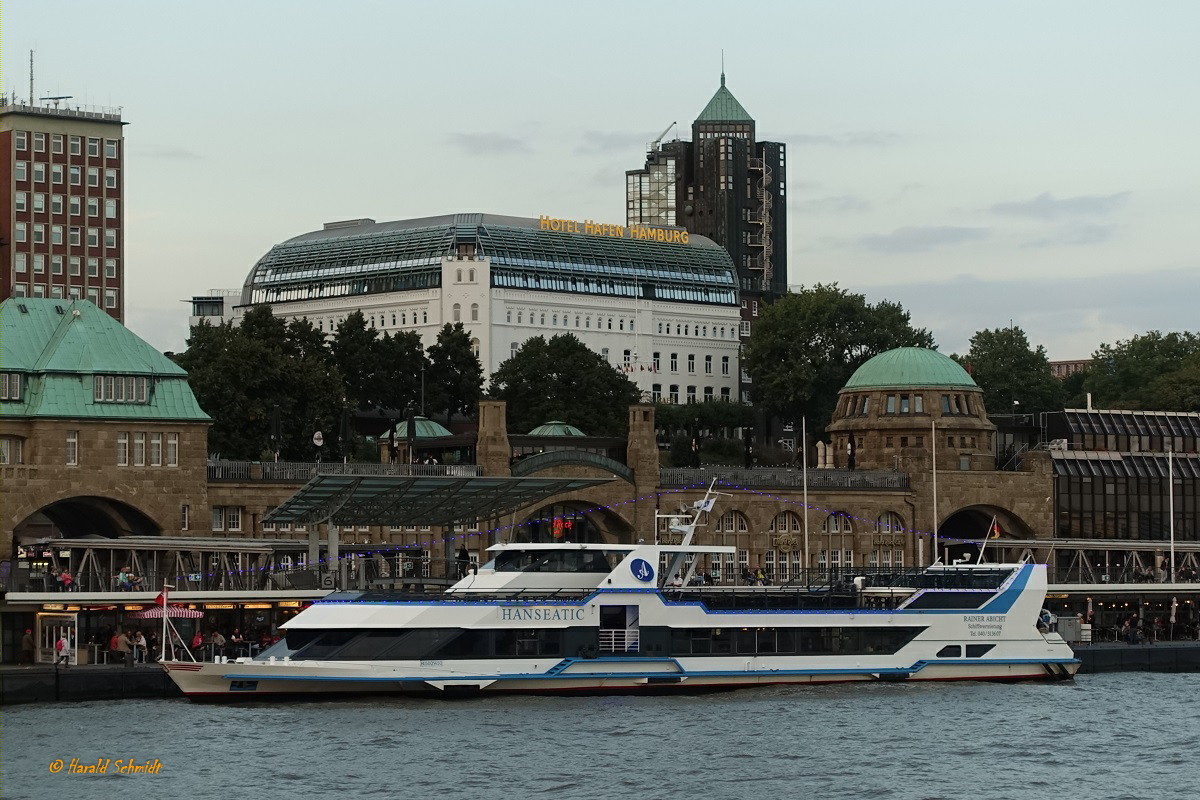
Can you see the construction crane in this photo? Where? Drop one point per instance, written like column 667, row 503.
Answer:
column 654, row 145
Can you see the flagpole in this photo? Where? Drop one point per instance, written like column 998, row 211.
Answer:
column 1171, row 505
column 804, row 465
column 162, row 643
column 933, row 447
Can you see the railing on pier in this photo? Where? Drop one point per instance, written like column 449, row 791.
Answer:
column 772, row 477
column 302, row 471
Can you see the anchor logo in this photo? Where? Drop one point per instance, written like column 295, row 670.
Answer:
column 642, row 570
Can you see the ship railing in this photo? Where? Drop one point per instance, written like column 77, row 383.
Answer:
column 619, row 640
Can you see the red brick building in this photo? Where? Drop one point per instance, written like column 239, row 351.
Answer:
column 62, row 218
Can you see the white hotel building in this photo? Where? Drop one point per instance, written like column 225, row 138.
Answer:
column 664, row 312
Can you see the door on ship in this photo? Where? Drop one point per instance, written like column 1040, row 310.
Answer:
column 619, row 629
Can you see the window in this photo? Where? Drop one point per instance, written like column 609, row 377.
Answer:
column 10, row 450
column 656, row 362
column 93, row 147
column 19, row 171
column 708, row 365
column 218, row 518
column 75, row 176
column 604, row 353
column 110, row 268
column 754, row 308
column 122, row 449
column 10, row 386
column 474, row 312
column 674, row 393
column 93, row 267
column 93, row 206
column 725, row 394
column 110, row 148
column 745, row 331
column 156, row 449
column 93, row 237
column 656, row 392
column 39, row 203
column 139, row 449
column 56, row 234
column 93, row 174
column 93, row 296
column 39, row 234
column 39, row 173
column 724, row 365
column 512, row 349
column 20, row 140
column 56, row 204
column 72, row 448
column 110, row 298
column 56, row 263
column 39, row 263
column 172, row 449
column 21, row 201
column 110, row 237
column 21, row 235
column 76, row 145
column 20, row 262
column 56, row 173
column 691, row 363
column 674, row 362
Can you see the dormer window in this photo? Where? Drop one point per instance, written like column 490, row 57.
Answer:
column 120, row 388
column 11, row 385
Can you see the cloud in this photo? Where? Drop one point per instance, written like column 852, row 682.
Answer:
column 1045, row 206
column 837, row 204
column 918, row 239
column 172, row 153
column 1073, row 235
column 488, row 144
column 593, row 142
column 851, row 139
column 1070, row 315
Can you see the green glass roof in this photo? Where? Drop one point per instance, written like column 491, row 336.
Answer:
column 425, row 429
column 909, row 366
column 724, row 107
column 556, row 428
column 59, row 345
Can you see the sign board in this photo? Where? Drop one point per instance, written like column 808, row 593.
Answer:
column 318, row 439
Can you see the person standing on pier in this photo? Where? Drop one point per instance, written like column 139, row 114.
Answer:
column 125, row 648
column 27, row 647
column 62, row 651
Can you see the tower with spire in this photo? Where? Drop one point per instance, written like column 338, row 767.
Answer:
column 727, row 186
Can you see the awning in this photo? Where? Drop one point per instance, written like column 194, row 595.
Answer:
column 173, row 611
column 396, row 500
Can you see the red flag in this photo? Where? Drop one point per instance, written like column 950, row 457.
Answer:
column 161, row 600
column 995, row 530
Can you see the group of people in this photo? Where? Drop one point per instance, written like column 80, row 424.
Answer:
column 127, row 581
column 1135, row 630
column 131, row 646
column 214, row 643
column 61, row 580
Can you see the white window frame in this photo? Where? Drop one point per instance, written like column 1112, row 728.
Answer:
column 122, row 449
column 72, row 448
column 172, row 449
column 156, row 449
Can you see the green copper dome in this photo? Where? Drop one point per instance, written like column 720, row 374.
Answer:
column 425, row 428
column 556, row 428
column 909, row 366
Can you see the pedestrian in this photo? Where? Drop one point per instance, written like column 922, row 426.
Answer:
column 463, row 558
column 218, row 644
column 139, row 647
column 197, row 641
column 68, row 580
column 114, row 647
column 125, row 648
column 27, row 647
column 62, row 651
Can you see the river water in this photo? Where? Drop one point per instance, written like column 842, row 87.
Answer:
column 1131, row 735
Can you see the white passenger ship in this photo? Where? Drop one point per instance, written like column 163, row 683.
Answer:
column 567, row 617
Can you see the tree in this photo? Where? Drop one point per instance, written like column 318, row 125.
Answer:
column 248, row 377
column 1009, row 371
column 454, row 379
column 354, row 350
column 561, row 379
column 401, row 362
column 1178, row 390
column 808, row 344
column 1122, row 375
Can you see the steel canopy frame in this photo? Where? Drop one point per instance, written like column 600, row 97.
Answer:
column 406, row 500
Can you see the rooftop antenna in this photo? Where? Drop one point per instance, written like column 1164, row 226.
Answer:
column 30, row 77
column 722, row 66
column 57, row 98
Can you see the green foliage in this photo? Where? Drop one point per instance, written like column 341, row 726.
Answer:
column 808, row 344
column 1153, row 371
column 355, row 351
column 561, row 379
column 1007, row 369
column 454, row 379
column 709, row 415
column 265, row 369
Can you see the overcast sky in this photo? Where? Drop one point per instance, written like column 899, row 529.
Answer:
column 977, row 162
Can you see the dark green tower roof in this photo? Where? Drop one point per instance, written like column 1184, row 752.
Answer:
column 724, row 107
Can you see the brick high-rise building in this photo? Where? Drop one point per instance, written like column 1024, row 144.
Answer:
column 62, row 220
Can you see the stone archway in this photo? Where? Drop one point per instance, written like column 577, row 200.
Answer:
column 82, row 517
column 573, row 521
column 962, row 533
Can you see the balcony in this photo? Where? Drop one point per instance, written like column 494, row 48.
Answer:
column 782, row 478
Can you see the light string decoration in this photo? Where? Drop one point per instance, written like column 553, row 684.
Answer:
column 396, row 549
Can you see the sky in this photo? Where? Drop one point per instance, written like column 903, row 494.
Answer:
column 983, row 164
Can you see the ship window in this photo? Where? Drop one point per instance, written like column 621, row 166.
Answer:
column 553, row 561
column 950, row 651
column 978, row 650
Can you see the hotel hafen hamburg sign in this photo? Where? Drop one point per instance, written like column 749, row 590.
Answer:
column 593, row 228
